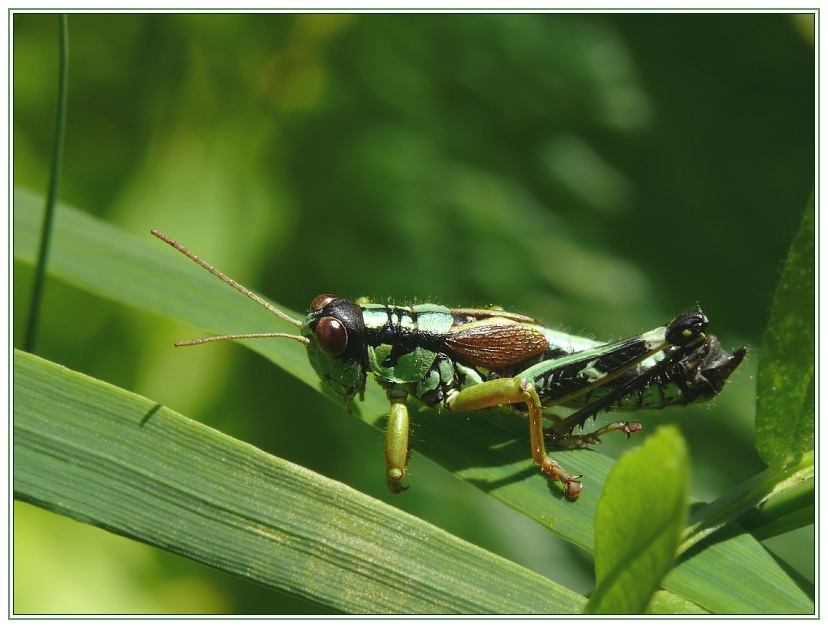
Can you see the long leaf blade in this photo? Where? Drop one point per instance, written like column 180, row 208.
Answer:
column 102, row 455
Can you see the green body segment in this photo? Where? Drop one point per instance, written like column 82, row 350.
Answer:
column 385, row 359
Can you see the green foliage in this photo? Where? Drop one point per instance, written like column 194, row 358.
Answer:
column 638, row 522
column 785, row 384
column 769, row 503
column 94, row 452
column 552, row 164
column 504, row 470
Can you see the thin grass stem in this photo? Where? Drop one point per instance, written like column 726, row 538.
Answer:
column 51, row 199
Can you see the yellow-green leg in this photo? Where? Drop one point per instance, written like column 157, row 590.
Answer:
column 396, row 440
column 506, row 391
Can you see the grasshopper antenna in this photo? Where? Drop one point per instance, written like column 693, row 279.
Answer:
column 272, row 309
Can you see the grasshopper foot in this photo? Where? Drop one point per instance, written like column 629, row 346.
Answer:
column 396, row 487
column 572, row 487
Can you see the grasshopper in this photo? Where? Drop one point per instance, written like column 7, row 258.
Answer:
column 466, row 359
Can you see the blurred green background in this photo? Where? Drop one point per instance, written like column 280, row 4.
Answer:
column 599, row 172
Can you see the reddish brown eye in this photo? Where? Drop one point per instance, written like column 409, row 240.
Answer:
column 331, row 336
column 321, row 301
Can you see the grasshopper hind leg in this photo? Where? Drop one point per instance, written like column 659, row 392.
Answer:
column 511, row 390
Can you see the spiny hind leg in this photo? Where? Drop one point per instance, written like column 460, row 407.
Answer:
column 506, row 391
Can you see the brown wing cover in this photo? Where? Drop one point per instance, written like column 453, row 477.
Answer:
column 495, row 343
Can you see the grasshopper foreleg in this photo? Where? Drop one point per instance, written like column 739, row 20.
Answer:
column 508, row 391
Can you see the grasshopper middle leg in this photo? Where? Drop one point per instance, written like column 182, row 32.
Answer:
column 396, row 440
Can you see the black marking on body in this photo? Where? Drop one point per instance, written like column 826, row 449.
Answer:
column 620, row 358
column 402, row 338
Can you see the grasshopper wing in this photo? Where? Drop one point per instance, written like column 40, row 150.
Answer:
column 495, row 342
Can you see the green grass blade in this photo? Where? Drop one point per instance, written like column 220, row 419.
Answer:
column 54, row 181
column 638, row 523
column 773, row 500
column 785, row 381
column 491, row 450
column 730, row 572
column 668, row 603
column 107, row 457
column 788, row 509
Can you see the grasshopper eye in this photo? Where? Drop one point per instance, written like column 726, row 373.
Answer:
column 331, row 336
column 321, row 301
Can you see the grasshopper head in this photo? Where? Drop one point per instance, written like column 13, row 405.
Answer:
column 336, row 349
column 334, row 333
